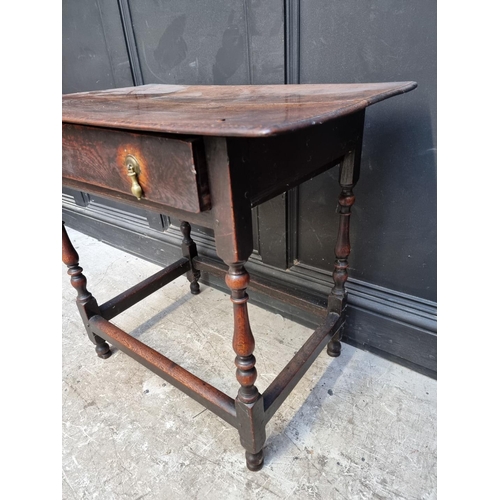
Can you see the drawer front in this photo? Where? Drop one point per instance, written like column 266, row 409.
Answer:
column 172, row 172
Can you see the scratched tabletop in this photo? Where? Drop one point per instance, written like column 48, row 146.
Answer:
column 224, row 110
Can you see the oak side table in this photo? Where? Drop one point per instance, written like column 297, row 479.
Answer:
column 207, row 155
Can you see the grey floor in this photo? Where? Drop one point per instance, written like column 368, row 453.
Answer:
column 355, row 427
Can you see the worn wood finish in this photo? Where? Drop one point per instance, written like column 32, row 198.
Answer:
column 189, row 251
column 207, row 395
column 231, row 210
column 279, row 163
column 172, row 170
column 87, row 305
column 234, row 242
column 264, row 285
column 226, row 110
column 237, row 280
column 249, row 402
column 289, row 377
column 204, row 219
column 135, row 294
column 337, row 300
column 247, row 144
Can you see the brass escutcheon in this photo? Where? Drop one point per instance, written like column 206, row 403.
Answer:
column 133, row 170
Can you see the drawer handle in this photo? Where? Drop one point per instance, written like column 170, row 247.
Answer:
column 133, row 171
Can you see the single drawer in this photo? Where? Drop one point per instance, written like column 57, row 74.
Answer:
column 171, row 171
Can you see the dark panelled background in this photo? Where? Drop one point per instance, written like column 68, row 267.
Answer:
column 392, row 309
column 394, row 232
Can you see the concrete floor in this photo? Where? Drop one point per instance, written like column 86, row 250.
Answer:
column 355, row 427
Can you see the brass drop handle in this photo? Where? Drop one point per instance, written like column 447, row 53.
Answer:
column 133, row 171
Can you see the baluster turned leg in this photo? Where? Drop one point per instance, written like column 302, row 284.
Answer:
column 189, row 251
column 232, row 216
column 87, row 305
column 337, row 301
column 249, row 403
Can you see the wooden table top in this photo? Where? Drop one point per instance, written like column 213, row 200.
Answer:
column 224, row 110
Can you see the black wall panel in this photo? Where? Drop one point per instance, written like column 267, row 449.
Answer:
column 222, row 42
column 394, row 221
column 94, row 55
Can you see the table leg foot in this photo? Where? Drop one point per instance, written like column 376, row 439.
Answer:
column 255, row 461
column 334, row 348
column 102, row 349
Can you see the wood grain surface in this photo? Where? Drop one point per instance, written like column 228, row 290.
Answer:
column 172, row 170
column 225, row 110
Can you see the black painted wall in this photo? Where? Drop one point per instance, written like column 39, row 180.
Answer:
column 393, row 263
column 394, row 233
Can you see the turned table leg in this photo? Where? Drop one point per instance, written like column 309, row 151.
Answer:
column 249, row 402
column 337, row 301
column 234, row 243
column 87, row 305
column 189, row 251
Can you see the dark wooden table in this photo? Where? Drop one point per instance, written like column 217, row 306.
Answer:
column 207, row 155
